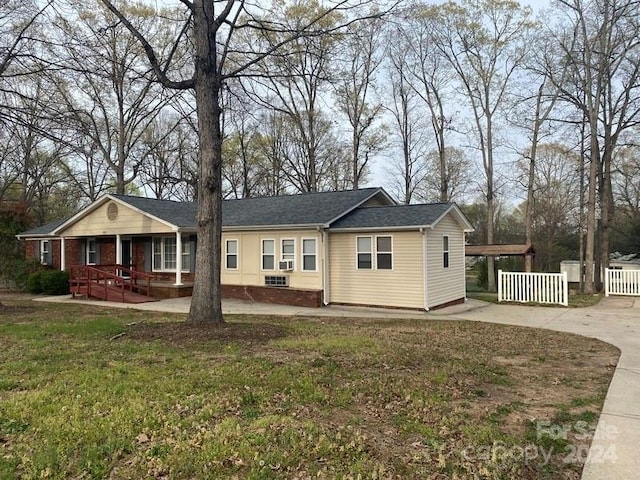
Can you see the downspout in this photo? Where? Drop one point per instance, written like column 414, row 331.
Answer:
column 424, row 268
column 325, row 268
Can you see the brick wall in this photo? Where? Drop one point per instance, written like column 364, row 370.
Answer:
column 30, row 249
column 278, row 295
column 107, row 246
column 73, row 252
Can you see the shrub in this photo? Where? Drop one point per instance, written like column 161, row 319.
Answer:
column 34, row 282
column 54, row 282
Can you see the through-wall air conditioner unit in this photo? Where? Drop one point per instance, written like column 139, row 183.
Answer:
column 285, row 265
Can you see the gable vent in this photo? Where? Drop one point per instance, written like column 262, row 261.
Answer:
column 112, row 211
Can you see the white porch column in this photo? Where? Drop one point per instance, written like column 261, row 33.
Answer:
column 178, row 259
column 118, row 250
column 63, row 259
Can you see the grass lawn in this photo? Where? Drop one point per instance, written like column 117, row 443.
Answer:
column 92, row 392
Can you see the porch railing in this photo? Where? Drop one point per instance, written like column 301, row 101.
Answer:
column 100, row 279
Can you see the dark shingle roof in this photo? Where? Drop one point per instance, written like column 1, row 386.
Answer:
column 45, row 229
column 393, row 216
column 304, row 209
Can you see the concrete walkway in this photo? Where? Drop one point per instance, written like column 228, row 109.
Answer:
column 615, row 449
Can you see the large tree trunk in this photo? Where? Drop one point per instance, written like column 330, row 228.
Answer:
column 206, row 305
column 591, row 206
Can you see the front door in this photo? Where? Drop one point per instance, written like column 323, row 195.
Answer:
column 125, row 245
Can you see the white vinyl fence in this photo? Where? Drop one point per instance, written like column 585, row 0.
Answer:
column 526, row 287
column 621, row 282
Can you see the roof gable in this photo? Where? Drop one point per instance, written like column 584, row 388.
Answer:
column 401, row 216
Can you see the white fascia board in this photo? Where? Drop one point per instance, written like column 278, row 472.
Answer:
column 403, row 228
column 297, row 226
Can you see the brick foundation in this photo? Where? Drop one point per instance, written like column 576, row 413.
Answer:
column 277, row 295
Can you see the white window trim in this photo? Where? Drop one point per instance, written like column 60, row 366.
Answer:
column 43, row 252
column 275, row 254
column 87, row 251
column 237, row 254
column 447, row 251
column 393, row 266
column 372, row 253
column 315, row 253
column 185, row 268
column 282, row 240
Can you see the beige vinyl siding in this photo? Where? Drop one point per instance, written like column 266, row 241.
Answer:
column 128, row 222
column 445, row 284
column 400, row 287
column 249, row 270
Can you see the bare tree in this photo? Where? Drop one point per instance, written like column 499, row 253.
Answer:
column 484, row 41
column 215, row 61
column 362, row 57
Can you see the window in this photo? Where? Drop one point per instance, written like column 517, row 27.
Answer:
column 268, row 254
column 445, row 251
column 232, row 254
column 309, row 254
column 44, row 252
column 165, row 254
column 384, row 260
column 186, row 254
column 383, row 253
column 91, row 251
column 364, row 254
column 276, row 281
column 169, row 251
column 289, row 249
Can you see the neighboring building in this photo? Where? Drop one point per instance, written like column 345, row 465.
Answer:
column 353, row 247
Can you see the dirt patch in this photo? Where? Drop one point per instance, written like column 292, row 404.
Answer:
column 178, row 333
column 13, row 310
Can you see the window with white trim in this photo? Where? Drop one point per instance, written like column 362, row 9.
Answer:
column 309, row 255
column 384, row 253
column 445, row 251
column 92, row 250
column 165, row 254
column 268, row 254
column 364, row 253
column 44, row 251
column 231, row 261
column 288, row 249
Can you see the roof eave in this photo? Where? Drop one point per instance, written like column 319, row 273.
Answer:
column 387, row 228
column 295, row 226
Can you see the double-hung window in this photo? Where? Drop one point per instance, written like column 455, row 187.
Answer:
column 445, row 251
column 364, row 253
column 384, row 253
column 309, row 255
column 44, row 251
column 91, row 251
column 231, row 254
column 288, row 249
column 165, row 254
column 268, row 254
column 378, row 248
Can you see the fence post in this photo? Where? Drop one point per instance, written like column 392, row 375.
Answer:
column 565, row 289
column 499, row 285
column 606, row 282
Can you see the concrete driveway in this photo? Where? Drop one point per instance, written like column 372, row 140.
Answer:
column 615, row 449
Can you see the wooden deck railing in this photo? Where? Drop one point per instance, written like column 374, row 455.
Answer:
column 103, row 278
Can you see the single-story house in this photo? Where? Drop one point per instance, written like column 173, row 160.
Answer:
column 355, row 247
